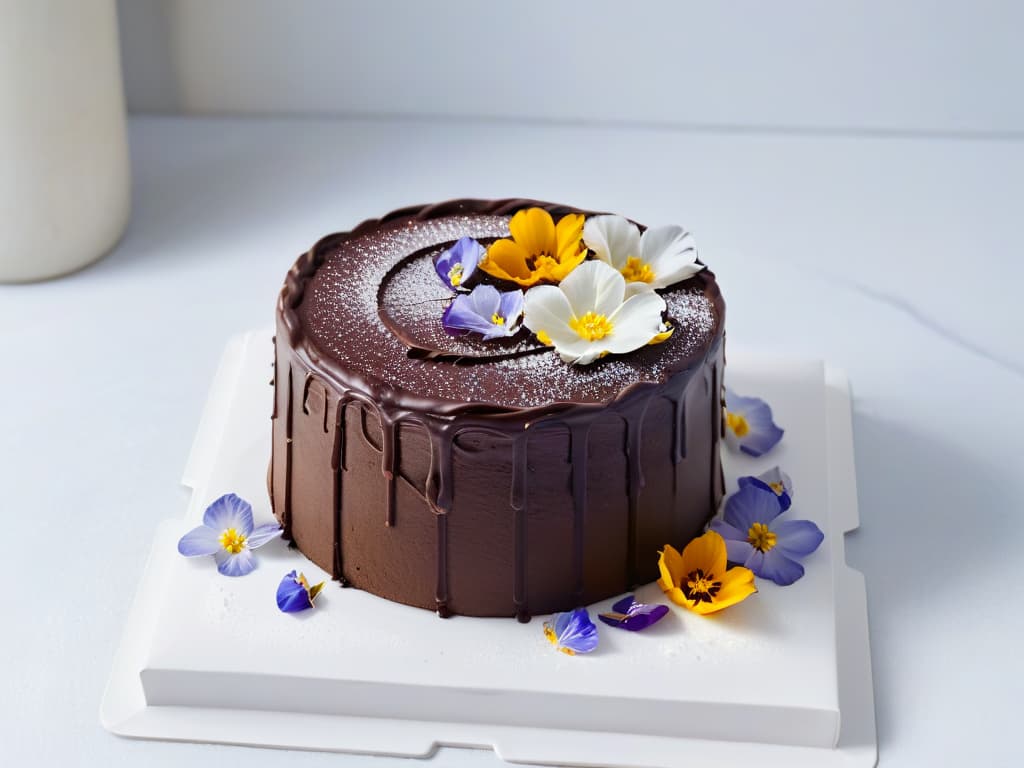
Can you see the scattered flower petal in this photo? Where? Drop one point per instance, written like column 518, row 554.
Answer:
column 756, row 537
column 634, row 616
column 660, row 257
column 456, row 265
column 698, row 578
column 588, row 315
column 486, row 311
column 539, row 250
column 774, row 480
column 294, row 593
column 572, row 632
column 228, row 534
column 748, row 425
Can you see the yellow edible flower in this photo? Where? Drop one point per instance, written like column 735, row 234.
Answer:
column 539, row 251
column 698, row 578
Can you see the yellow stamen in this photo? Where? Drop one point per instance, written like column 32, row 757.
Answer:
column 760, row 538
column 591, row 326
column 455, row 275
column 232, row 541
column 637, row 271
column 497, row 319
column 777, row 487
column 737, row 423
column 544, row 338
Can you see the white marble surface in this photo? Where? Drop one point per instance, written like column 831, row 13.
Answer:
column 898, row 259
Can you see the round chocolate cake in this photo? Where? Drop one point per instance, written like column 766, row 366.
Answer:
column 440, row 454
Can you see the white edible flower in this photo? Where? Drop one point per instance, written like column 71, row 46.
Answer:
column 590, row 314
column 658, row 258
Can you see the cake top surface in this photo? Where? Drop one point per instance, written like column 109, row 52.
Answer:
column 371, row 305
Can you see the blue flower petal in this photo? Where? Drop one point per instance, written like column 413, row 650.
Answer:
column 229, row 511
column 235, row 565
column 473, row 311
column 623, row 605
column 199, row 541
column 736, row 545
column 776, row 567
column 467, row 252
column 796, row 538
column 754, row 561
column 292, row 596
column 751, row 505
column 633, row 616
column 261, row 534
column 510, row 307
column 763, row 432
column 574, row 630
column 766, row 480
column 476, row 311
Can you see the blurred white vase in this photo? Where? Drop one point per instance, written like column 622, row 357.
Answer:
column 64, row 171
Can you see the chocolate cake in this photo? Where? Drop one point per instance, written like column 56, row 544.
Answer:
column 474, row 476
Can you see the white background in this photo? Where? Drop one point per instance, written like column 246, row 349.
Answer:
column 913, row 65
column 894, row 252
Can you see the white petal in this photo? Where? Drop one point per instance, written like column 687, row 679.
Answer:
column 547, row 309
column 579, row 351
column 637, row 286
column 671, row 253
column 594, row 287
column 636, row 323
column 613, row 238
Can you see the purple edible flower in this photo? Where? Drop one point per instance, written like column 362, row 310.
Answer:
column 748, row 425
column 631, row 615
column 571, row 632
column 774, row 480
column 757, row 539
column 458, row 263
column 228, row 534
column 294, row 593
column 486, row 311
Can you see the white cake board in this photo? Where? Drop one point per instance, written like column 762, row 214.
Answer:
column 783, row 678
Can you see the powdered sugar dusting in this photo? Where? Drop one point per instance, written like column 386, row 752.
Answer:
column 341, row 315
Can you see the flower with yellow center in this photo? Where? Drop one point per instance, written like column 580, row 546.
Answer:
column 539, row 251
column 229, row 534
column 698, row 578
column 591, row 314
column 749, row 427
column 759, row 536
column 658, row 258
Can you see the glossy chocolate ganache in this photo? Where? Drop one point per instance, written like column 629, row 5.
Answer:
column 481, row 478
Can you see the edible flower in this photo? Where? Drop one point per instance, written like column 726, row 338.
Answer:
column 539, row 251
column 589, row 314
column 228, row 534
column 485, row 310
column 748, row 425
column 774, row 480
column 658, row 258
column 755, row 537
column 627, row 613
column 457, row 264
column 294, row 593
column 571, row 632
column 698, row 578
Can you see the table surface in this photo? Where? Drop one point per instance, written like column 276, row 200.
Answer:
column 898, row 259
